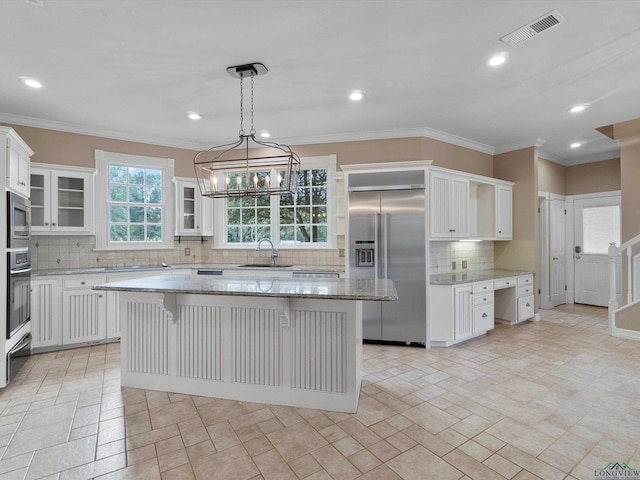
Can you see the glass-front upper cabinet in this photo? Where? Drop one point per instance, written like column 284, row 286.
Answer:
column 194, row 213
column 61, row 200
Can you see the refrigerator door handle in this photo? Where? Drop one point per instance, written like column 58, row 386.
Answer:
column 377, row 246
column 385, row 244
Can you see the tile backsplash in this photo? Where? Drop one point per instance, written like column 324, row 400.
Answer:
column 478, row 255
column 50, row 252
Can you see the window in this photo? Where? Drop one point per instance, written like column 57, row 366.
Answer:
column 600, row 227
column 135, row 204
column 292, row 220
column 135, row 201
column 248, row 219
column 303, row 216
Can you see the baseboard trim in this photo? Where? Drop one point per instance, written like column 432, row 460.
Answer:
column 628, row 334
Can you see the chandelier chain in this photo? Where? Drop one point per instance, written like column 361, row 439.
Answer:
column 253, row 131
column 241, row 107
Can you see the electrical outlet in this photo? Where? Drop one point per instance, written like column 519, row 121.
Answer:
column 464, row 264
column 453, row 265
column 187, row 252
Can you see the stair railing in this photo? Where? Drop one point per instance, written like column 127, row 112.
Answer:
column 626, row 248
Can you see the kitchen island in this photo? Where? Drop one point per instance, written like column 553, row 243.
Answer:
column 286, row 341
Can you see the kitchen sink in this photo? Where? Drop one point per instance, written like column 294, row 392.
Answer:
column 263, row 265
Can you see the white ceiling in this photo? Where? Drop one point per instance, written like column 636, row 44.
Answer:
column 132, row 69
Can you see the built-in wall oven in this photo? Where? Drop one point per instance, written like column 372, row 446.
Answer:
column 18, row 290
column 18, row 224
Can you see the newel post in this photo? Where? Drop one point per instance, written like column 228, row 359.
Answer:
column 613, row 301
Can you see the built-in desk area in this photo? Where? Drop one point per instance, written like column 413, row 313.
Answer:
column 467, row 305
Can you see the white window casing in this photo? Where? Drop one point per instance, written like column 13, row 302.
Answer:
column 103, row 161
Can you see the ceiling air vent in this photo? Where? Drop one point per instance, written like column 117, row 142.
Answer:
column 532, row 29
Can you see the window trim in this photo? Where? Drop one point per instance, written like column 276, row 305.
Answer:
column 306, row 163
column 103, row 160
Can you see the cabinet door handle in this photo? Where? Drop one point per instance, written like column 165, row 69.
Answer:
column 484, row 315
column 46, row 224
column 528, row 305
column 484, row 299
column 53, row 224
column 99, row 296
column 82, row 282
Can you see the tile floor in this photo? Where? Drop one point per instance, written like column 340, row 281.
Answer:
column 552, row 399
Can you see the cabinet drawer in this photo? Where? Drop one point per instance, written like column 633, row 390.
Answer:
column 525, row 291
column 82, row 282
column 483, row 319
column 525, row 280
column 481, row 287
column 525, row 308
column 482, row 298
column 505, row 283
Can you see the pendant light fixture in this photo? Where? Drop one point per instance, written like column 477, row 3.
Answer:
column 247, row 167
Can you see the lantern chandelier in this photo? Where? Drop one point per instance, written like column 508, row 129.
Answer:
column 247, row 167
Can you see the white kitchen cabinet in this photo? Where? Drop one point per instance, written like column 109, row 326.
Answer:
column 468, row 206
column 514, row 299
column 449, row 199
column 83, row 309
column 504, row 214
column 194, row 213
column 17, row 158
column 61, row 200
column 463, row 312
column 45, row 312
column 460, row 312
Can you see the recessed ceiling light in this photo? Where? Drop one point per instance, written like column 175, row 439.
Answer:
column 356, row 95
column 193, row 116
column 575, row 145
column 498, row 59
column 31, row 82
column 577, row 109
column 265, row 134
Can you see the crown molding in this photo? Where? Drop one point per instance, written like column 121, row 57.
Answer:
column 511, row 147
column 552, row 158
column 96, row 132
column 388, row 134
column 197, row 146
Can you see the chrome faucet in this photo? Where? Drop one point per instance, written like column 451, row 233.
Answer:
column 274, row 252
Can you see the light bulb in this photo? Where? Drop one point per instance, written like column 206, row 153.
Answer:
column 255, row 179
column 239, row 181
column 279, row 179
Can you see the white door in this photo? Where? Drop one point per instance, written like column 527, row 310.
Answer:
column 557, row 271
column 596, row 223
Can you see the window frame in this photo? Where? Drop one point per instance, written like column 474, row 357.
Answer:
column 307, row 163
column 103, row 161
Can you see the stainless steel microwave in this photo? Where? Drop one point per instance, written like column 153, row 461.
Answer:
column 18, row 221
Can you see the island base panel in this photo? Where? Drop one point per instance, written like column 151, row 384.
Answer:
column 298, row 352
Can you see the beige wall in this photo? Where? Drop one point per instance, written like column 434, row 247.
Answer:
column 520, row 167
column 603, row 176
column 63, row 148
column 629, row 135
column 552, row 177
column 630, row 186
column 593, row 177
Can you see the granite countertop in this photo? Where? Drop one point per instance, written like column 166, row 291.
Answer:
column 312, row 288
column 191, row 266
column 473, row 276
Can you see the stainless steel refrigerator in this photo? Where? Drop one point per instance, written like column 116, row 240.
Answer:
column 387, row 239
